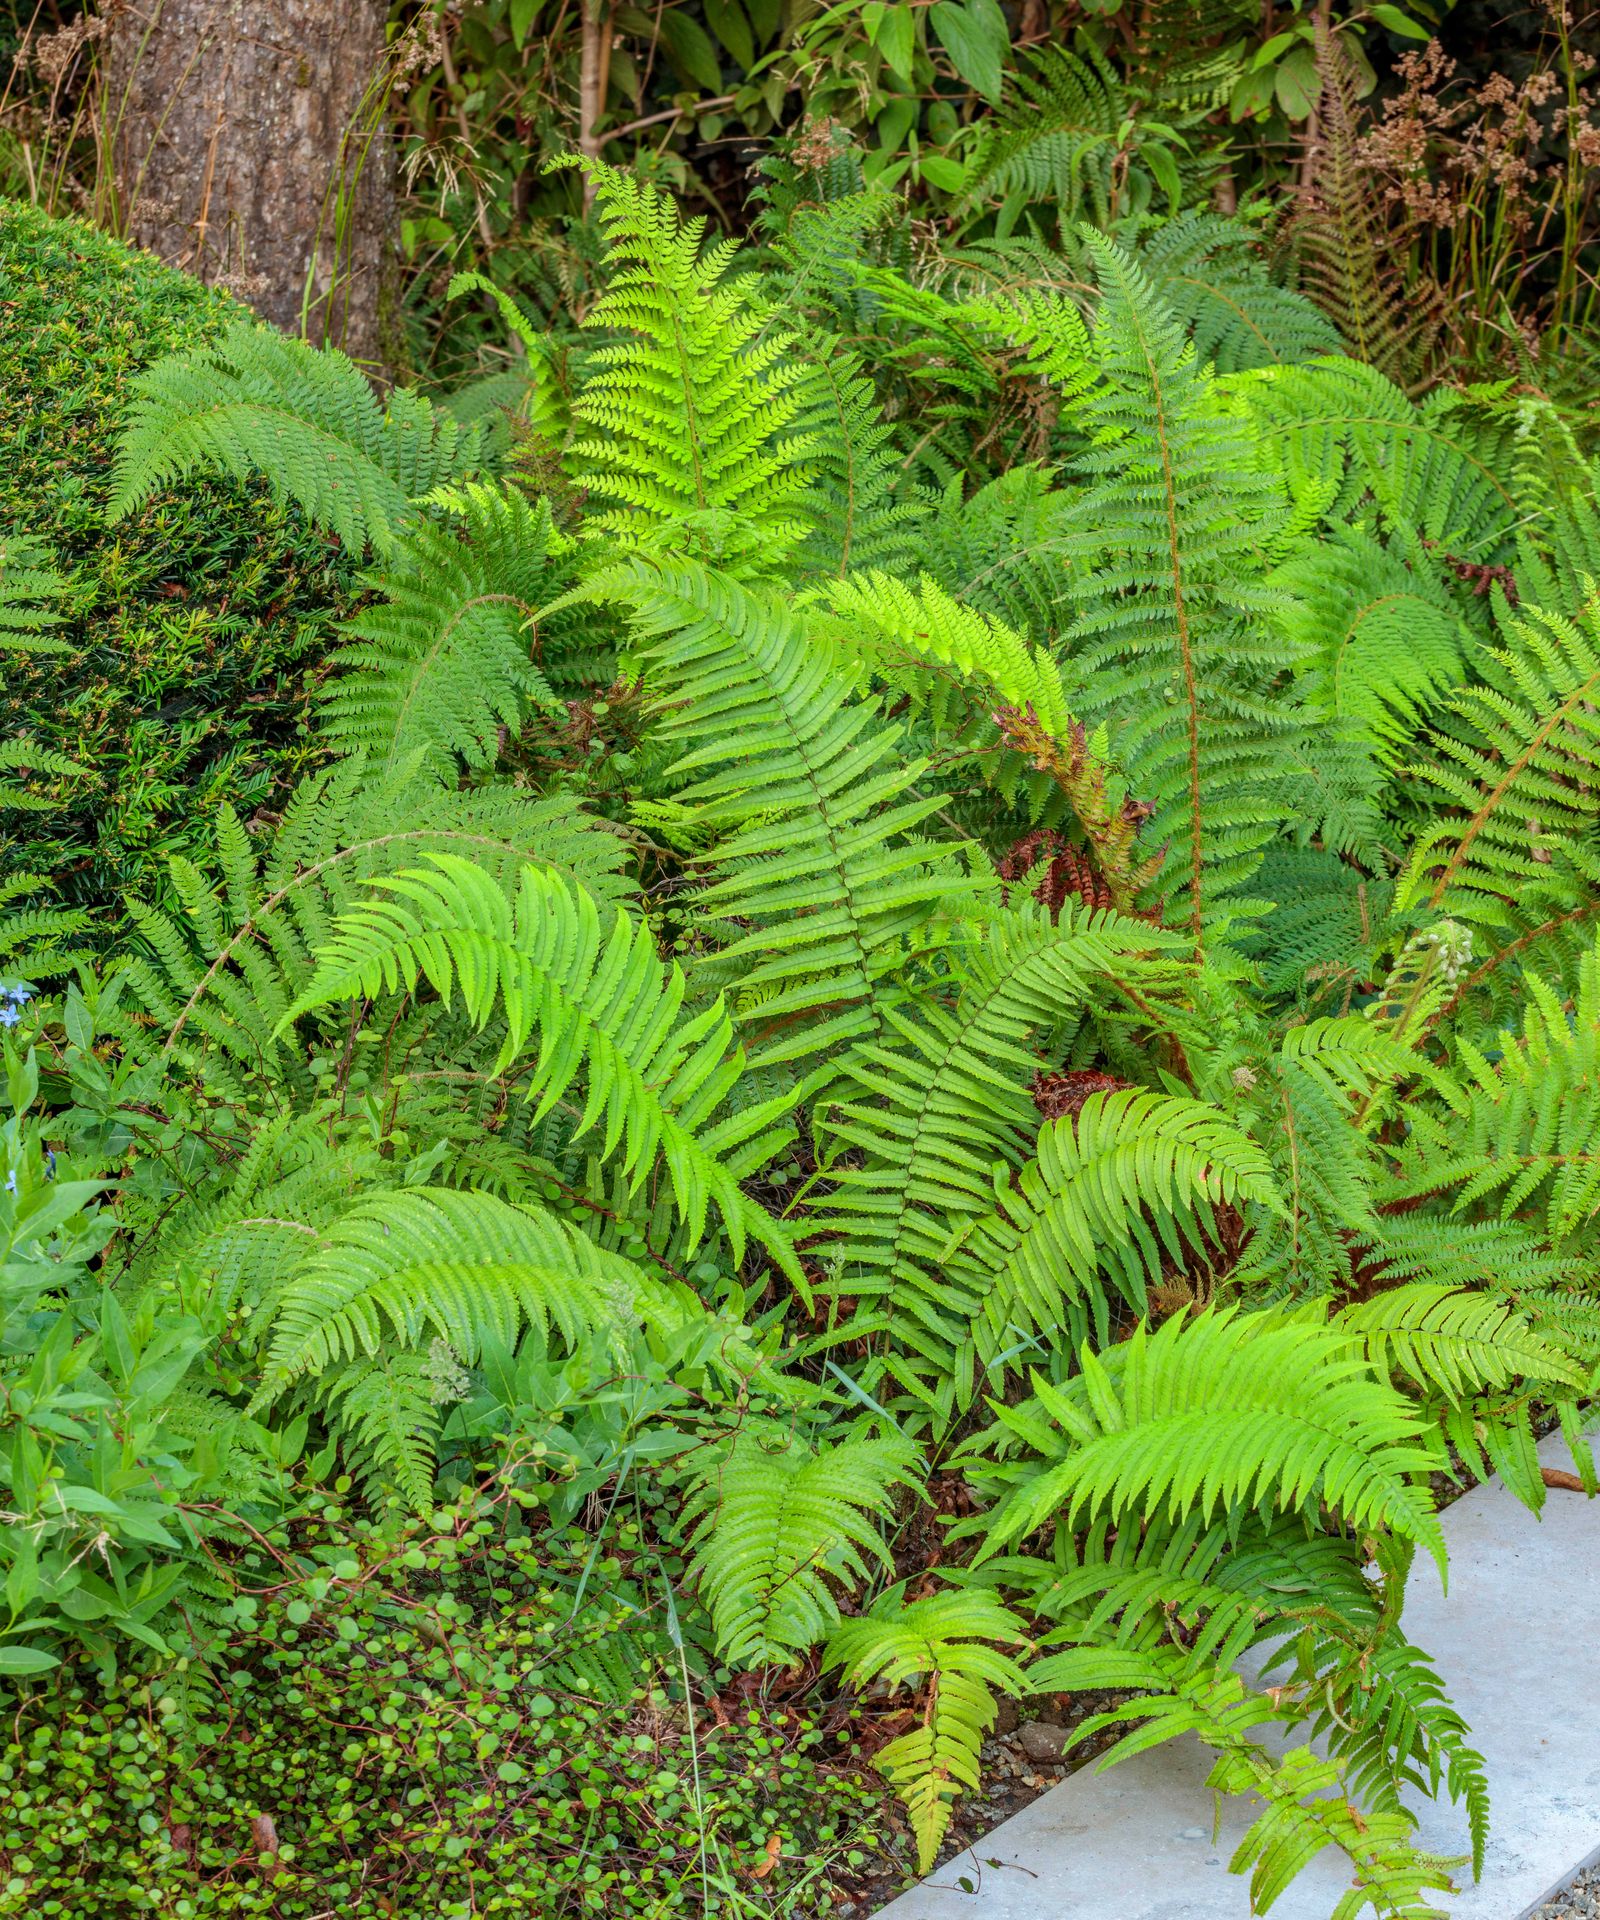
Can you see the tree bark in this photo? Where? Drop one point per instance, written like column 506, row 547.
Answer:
column 250, row 148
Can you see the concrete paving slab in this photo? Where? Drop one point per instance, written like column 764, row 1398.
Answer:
column 1515, row 1644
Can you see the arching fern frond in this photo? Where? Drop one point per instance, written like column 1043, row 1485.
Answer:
column 401, row 1267
column 217, row 982
column 1517, row 763
column 1380, row 640
column 596, row 1003
column 257, row 402
column 1225, row 1407
column 808, row 793
column 924, row 1122
column 1114, row 1189
column 942, row 1643
column 1208, row 270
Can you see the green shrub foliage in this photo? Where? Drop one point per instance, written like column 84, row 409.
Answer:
column 179, row 675
column 1006, row 905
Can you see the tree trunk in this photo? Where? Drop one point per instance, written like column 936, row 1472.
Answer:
column 250, row 148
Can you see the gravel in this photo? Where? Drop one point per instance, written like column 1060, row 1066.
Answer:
column 1580, row 1901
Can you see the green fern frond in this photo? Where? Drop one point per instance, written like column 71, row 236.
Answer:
column 1209, row 271
column 1345, row 427
column 813, row 803
column 431, row 1262
column 216, row 982
column 1447, row 1341
column 1379, row 640
column 1168, row 588
column 942, row 1642
column 36, row 940
column 1519, row 1132
column 257, row 402
column 1517, row 762
column 385, row 1415
column 1116, row 1188
column 692, row 409
column 448, row 657
column 777, row 1524
column 598, row 1004
column 1059, row 140
column 1228, row 1407
column 861, row 513
column 31, row 593
column 925, row 1121
column 1308, row 1808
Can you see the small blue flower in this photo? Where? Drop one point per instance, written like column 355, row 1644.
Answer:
column 9, row 1015
column 18, row 992
column 11, row 1181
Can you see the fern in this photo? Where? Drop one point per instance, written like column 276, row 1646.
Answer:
column 1207, row 270
column 1226, row 1408
column 400, row 1267
column 935, row 1115
column 808, row 793
column 216, row 985
column 776, row 1523
column 940, row 1641
column 1119, row 1186
column 1516, row 762
column 1058, row 140
column 31, row 593
column 598, row 1003
column 255, row 402
column 1172, row 521
column 691, row 417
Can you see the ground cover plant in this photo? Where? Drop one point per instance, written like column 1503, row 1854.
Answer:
column 924, row 1030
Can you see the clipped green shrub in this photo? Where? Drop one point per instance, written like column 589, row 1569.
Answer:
column 190, row 626
column 419, row 1726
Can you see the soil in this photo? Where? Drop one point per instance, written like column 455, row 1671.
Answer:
column 1011, row 1781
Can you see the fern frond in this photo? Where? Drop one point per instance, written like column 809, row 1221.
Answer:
column 809, row 793
column 1518, row 764
column 1058, row 140
column 258, row 402
column 216, row 982
column 1116, row 1189
column 942, row 1641
column 464, row 1267
column 1379, row 640
column 448, row 657
column 1169, row 594
column 597, row 1004
column 776, row 1523
column 925, row 1121
column 31, row 593
column 693, row 411
column 1207, row 269
column 1235, row 1408
column 1447, row 1341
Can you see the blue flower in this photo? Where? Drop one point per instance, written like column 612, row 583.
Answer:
column 11, row 1181
column 9, row 1015
column 19, row 993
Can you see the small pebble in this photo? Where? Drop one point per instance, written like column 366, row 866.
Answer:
column 1580, row 1901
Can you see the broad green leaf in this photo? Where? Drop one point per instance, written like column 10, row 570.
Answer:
column 976, row 37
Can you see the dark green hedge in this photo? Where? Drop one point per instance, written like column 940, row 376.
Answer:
column 193, row 626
